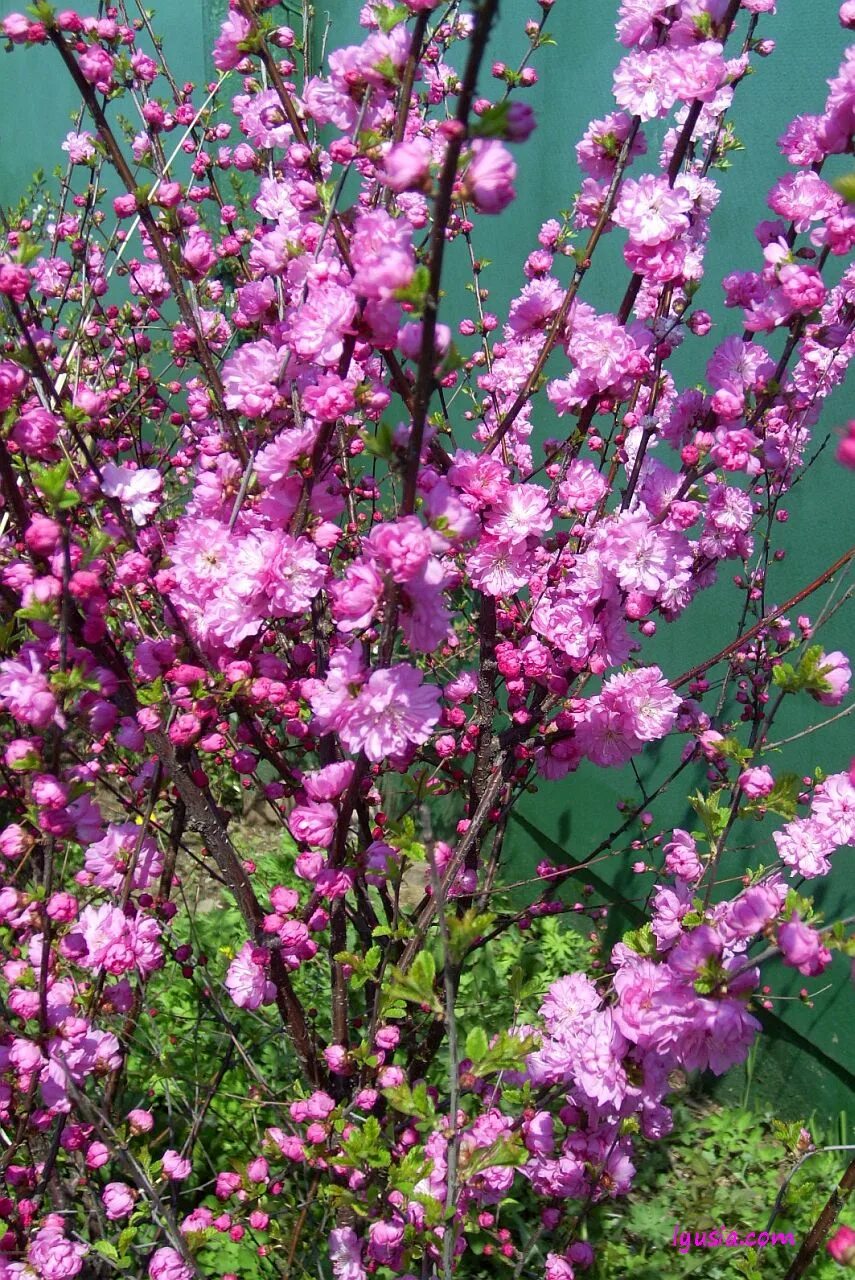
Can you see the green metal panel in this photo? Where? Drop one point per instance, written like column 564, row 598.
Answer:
column 37, row 98
column 575, row 85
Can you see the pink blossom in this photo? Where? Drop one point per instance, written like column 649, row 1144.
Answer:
column 582, row 488
column 148, row 280
column 393, row 711
column 833, row 808
column 643, row 555
column 406, row 165
column 249, row 377
column 53, row 1256
column 313, row 823
column 12, row 383
column 167, row 1264
column 79, row 147
column 845, row 452
column 488, row 180
column 638, row 22
column 233, row 31
column 96, row 67
column 801, row 947
column 123, row 846
column 498, row 568
column 400, row 547
column 140, row 1121
column 356, row 596
column 558, row 1267
column 802, row 286
column 601, row 144
column 246, row 980
column 644, row 84
column 523, row 510
column 803, row 846
column 755, row 907
column 345, row 1254
column 448, row 515
column 16, row 27
column 117, row 944
column 836, row 672
column 294, row 575
column 263, row 121
column 319, row 325
column 14, row 281
column 804, row 198
column 175, row 1166
column 385, row 1241
column 26, row 694
column 681, row 856
column 841, row 1246
column 670, row 906
column 35, row 433
column 118, row 1200
column 651, row 210
column 328, row 783
column 330, row 398
column 756, row 782
column 333, row 699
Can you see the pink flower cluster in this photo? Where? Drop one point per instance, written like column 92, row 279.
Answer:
column 271, row 529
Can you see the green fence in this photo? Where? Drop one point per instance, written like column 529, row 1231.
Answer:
column 806, row 1063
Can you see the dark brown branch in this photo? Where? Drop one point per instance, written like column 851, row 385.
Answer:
column 148, row 220
column 820, row 1229
column 829, row 573
column 485, row 15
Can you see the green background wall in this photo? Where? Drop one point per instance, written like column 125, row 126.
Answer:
column 807, row 1063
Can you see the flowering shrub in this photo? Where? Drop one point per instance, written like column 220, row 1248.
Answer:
column 270, row 528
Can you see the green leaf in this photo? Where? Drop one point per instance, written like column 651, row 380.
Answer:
column 798, row 903
column 380, row 443
column 127, row 1238
column 364, row 967
column 38, row 611
column 507, row 1053
column 732, row 749
column 388, row 19
column 414, row 293
column 406, row 1173
column 150, row 694
column 106, row 1250
column 326, row 191
column 492, row 123
column 711, row 814
column 402, row 836
column 845, row 186
column 416, row 986
column 424, row 969
column 365, row 1147
column 783, row 797
column 477, row 1045
column 710, row 977
column 502, row 1152
column 464, row 930
column 52, row 481
column 808, row 677
column 387, row 68
column 641, row 940
column 412, row 1101
column 27, row 251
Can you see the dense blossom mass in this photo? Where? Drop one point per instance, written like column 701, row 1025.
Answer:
column 272, row 528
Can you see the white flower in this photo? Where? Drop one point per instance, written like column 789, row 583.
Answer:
column 137, row 490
